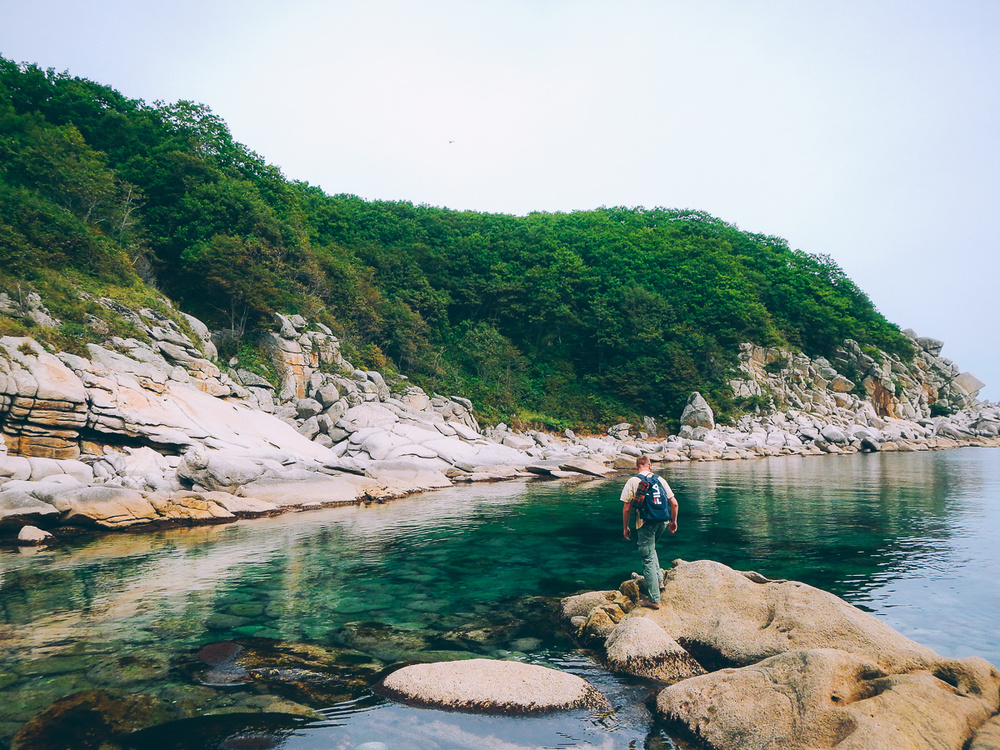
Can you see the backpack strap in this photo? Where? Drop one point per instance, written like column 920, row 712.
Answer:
column 643, row 478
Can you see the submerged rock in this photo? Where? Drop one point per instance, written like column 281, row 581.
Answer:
column 310, row 676
column 262, row 731
column 89, row 720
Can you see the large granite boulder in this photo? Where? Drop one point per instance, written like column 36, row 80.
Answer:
column 828, row 698
column 744, row 618
column 489, row 686
column 110, row 507
column 931, row 345
column 14, row 468
column 215, row 471
column 317, row 491
column 367, row 415
column 18, row 508
column 794, row 667
column 833, row 434
column 586, row 466
column 697, row 412
column 404, row 475
column 969, row 383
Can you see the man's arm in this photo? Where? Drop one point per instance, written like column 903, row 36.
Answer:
column 674, row 510
column 628, row 502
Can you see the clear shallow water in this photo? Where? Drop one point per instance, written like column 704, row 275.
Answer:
column 909, row 537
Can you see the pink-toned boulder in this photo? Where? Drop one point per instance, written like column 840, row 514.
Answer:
column 488, row 686
column 826, row 698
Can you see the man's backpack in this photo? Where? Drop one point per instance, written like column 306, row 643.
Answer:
column 651, row 499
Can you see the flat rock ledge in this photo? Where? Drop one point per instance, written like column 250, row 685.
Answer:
column 751, row 663
column 490, row 686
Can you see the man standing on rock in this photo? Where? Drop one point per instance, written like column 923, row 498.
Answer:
column 649, row 523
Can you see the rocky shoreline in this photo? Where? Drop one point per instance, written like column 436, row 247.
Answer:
column 738, row 661
column 741, row 662
column 144, row 434
column 752, row 663
column 733, row 661
column 154, row 432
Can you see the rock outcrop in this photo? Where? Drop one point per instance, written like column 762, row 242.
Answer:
column 827, row 698
column 147, row 433
column 880, row 385
column 640, row 647
column 787, row 666
column 151, row 431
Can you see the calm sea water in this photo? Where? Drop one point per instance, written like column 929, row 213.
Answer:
column 908, row 537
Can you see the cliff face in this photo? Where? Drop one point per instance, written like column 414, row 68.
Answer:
column 165, row 394
column 154, row 431
column 858, row 401
column 892, row 387
column 151, row 432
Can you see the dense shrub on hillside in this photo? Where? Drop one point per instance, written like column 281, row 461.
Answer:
column 583, row 318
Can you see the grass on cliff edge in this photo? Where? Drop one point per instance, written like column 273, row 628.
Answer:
column 71, row 298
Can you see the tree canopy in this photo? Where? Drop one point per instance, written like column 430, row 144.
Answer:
column 577, row 319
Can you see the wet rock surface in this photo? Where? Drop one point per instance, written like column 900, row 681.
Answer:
column 232, row 690
column 89, row 720
column 304, row 674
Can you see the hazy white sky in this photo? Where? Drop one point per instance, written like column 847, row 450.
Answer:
column 869, row 131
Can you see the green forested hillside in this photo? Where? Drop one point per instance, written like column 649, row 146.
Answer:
column 579, row 319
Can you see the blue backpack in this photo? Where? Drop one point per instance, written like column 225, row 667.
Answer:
column 651, row 498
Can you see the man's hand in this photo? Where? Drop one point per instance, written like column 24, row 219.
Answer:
column 672, row 527
column 627, row 519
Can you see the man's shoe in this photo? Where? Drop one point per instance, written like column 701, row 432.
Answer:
column 649, row 604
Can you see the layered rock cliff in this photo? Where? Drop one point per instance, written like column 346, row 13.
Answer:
column 152, row 429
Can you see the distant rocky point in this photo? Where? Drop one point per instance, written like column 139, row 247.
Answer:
column 154, row 433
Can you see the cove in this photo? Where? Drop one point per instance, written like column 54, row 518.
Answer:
column 909, row 537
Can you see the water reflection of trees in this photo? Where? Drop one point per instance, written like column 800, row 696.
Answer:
column 844, row 524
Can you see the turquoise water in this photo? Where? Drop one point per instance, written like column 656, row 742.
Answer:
column 909, row 537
